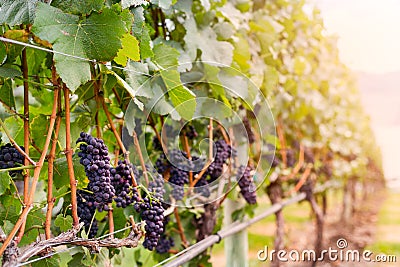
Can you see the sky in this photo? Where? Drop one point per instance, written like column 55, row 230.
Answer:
column 369, row 32
column 369, row 43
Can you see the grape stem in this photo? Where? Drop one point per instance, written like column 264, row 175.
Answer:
column 36, row 173
column 111, row 221
column 223, row 132
column 24, row 65
column 139, row 151
column 118, row 137
column 298, row 166
column 17, row 168
column 153, row 126
column 50, row 199
column 302, row 180
column 282, row 141
column 187, row 150
column 68, row 154
column 17, row 193
column 98, row 99
column 210, row 140
column 180, row 228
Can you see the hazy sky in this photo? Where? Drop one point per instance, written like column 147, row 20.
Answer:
column 369, row 41
column 369, row 32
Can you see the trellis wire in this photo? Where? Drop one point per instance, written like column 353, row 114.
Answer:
column 194, row 250
column 234, row 228
column 68, row 55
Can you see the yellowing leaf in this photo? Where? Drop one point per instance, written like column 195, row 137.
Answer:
column 130, row 49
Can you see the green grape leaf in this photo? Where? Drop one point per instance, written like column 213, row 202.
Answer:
column 5, row 181
column 64, row 223
column 137, row 76
column 164, row 4
column 126, row 257
column 165, row 56
column 95, row 37
column 53, row 261
column 15, row 12
column 141, row 32
column 38, row 128
column 205, row 39
column 160, row 105
column 130, row 49
column 35, row 219
column 128, row 88
column 9, row 72
column 213, row 108
column 16, row 129
column 3, row 53
column 7, row 94
column 181, row 97
column 78, row 7
column 10, row 208
column 134, row 3
column 7, row 226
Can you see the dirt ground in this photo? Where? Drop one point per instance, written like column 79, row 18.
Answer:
column 359, row 233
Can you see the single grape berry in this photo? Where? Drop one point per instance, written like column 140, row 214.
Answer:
column 94, row 157
column 86, row 210
column 10, row 157
column 246, row 184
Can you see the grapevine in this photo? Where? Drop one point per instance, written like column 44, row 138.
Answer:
column 256, row 89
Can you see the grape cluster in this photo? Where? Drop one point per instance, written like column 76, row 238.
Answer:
column 157, row 186
column 165, row 243
column 246, row 184
column 151, row 211
column 223, row 152
column 86, row 211
column 270, row 157
column 290, row 158
column 201, row 185
column 327, row 170
column 202, row 188
column 10, row 157
column 178, row 173
column 121, row 180
column 308, row 155
column 191, row 132
column 157, row 144
column 94, row 157
column 250, row 134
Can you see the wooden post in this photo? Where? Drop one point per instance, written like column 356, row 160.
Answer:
column 236, row 246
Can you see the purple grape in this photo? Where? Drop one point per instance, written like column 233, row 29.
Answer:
column 246, row 184
column 10, row 157
column 94, row 157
